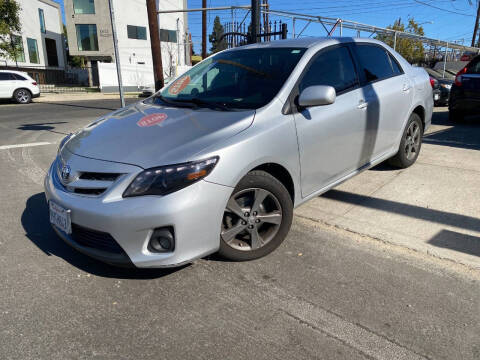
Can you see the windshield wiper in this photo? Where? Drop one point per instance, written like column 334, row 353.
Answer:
column 176, row 103
column 202, row 103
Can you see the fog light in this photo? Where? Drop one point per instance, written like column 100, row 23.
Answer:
column 162, row 240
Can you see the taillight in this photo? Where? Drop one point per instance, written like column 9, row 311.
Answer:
column 432, row 82
column 458, row 77
column 34, row 83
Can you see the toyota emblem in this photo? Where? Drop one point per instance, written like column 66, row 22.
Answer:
column 66, row 172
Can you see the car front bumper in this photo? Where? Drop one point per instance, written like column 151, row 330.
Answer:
column 195, row 214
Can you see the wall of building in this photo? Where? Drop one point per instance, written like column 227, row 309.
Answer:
column 135, row 54
column 101, row 19
column 30, row 22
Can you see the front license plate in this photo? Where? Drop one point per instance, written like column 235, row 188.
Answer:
column 436, row 97
column 60, row 217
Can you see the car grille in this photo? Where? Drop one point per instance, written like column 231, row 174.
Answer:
column 98, row 176
column 87, row 183
column 95, row 239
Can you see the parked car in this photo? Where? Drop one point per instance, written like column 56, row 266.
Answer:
column 465, row 93
column 467, row 56
column 18, row 86
column 218, row 159
column 441, row 89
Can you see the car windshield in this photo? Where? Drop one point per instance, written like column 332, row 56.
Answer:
column 239, row 79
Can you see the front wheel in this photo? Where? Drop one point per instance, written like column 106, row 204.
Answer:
column 257, row 218
column 22, row 96
column 410, row 144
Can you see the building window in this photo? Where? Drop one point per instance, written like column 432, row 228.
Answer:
column 168, row 35
column 83, row 7
column 51, row 47
column 42, row 21
column 87, row 39
column 33, row 51
column 137, row 32
column 17, row 44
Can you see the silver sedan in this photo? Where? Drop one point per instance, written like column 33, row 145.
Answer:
column 217, row 160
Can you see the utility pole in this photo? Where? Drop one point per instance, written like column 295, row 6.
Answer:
column 155, row 44
column 204, row 30
column 477, row 20
column 255, row 30
column 117, row 57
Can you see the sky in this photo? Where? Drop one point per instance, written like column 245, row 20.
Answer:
column 452, row 19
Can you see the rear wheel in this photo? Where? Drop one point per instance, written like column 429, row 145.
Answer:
column 22, row 96
column 257, row 218
column 410, row 144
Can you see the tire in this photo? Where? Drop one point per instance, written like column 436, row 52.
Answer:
column 22, row 96
column 410, row 144
column 455, row 115
column 252, row 229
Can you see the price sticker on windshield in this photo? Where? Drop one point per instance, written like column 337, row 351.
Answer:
column 152, row 119
column 179, row 85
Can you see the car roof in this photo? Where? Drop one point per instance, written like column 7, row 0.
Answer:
column 14, row 72
column 307, row 42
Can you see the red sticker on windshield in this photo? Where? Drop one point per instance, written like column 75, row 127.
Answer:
column 150, row 120
column 179, row 85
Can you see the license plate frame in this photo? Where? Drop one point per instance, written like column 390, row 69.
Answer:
column 436, row 97
column 60, row 217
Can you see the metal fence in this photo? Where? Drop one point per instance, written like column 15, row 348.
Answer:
column 71, row 77
column 237, row 33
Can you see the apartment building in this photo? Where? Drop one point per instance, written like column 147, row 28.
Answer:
column 89, row 32
column 39, row 47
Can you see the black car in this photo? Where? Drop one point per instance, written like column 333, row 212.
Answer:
column 440, row 87
column 465, row 93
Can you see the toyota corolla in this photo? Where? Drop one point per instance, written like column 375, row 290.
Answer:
column 217, row 160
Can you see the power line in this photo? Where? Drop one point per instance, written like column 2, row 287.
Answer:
column 442, row 9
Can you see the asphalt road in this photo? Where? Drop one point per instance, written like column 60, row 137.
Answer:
column 324, row 294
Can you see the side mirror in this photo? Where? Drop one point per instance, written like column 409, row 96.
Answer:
column 317, row 95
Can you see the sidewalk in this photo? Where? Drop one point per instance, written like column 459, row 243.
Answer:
column 51, row 97
column 432, row 207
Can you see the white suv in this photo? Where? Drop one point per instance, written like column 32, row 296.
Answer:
column 18, row 85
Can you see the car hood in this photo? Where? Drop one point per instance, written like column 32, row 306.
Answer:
column 149, row 135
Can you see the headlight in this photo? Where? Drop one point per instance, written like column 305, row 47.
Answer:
column 167, row 179
column 63, row 142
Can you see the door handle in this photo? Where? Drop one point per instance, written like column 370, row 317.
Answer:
column 406, row 87
column 362, row 104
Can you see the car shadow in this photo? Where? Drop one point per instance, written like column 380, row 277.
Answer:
column 43, row 127
column 37, row 227
column 465, row 134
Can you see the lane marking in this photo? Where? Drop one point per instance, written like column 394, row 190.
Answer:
column 6, row 147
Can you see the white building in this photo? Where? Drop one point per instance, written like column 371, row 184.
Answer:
column 40, row 44
column 90, row 35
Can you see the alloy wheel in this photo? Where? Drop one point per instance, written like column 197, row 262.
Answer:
column 412, row 141
column 251, row 219
column 22, row 96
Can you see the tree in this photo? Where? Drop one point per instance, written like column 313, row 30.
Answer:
column 215, row 36
column 410, row 49
column 9, row 25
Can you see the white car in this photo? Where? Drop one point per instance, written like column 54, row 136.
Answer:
column 18, row 85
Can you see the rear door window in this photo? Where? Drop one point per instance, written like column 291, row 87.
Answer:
column 332, row 67
column 395, row 65
column 18, row 77
column 375, row 62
